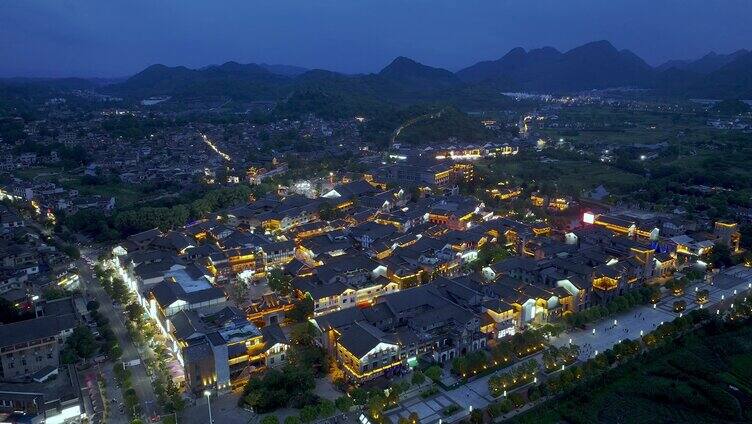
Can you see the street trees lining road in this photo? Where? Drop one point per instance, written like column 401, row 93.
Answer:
column 140, row 379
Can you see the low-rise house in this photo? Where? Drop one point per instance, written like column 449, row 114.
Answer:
column 53, row 395
column 31, row 345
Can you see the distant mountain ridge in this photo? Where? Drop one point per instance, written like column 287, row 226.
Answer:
column 704, row 65
column 407, row 70
column 594, row 65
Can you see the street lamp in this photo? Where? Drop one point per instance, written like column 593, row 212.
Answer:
column 208, row 403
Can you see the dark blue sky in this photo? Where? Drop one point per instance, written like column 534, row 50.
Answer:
column 117, row 38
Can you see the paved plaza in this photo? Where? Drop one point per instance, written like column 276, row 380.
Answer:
column 428, row 410
column 645, row 319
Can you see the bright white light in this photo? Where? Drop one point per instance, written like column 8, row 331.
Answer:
column 588, row 218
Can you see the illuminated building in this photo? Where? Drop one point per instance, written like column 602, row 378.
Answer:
column 559, row 204
column 504, row 150
column 686, row 245
column 728, row 234
column 391, row 334
column 625, row 226
column 467, row 154
column 268, row 309
column 537, row 200
column 216, row 348
column 343, row 283
column 443, row 174
column 453, row 211
column 505, row 193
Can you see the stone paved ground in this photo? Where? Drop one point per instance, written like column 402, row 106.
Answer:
column 428, row 410
column 645, row 318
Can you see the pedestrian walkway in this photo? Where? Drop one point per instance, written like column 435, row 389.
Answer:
column 428, row 410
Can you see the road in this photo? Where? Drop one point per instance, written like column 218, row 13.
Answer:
column 91, row 289
column 141, row 381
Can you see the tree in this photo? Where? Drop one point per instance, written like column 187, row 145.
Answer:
column 239, row 290
column 292, row 419
column 359, row 396
column 303, row 334
column 343, row 403
column 270, row 419
column 276, row 388
column 302, row 310
column 489, row 254
column 280, row 282
column 135, row 313
column 434, row 372
column 68, row 355
column 52, row 293
column 326, row 408
column 476, row 417
column 517, row 399
column 376, row 405
column 92, row 305
column 119, row 291
column 413, row 418
column 82, row 342
column 719, row 256
column 309, row 413
column 502, row 407
column 703, row 296
column 418, row 378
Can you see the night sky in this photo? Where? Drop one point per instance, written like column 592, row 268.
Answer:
column 112, row 38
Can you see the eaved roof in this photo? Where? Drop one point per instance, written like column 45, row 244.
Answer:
column 168, row 292
column 34, row 329
column 145, row 236
column 361, row 338
column 273, row 334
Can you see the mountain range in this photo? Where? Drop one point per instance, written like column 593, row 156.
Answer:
column 595, row 65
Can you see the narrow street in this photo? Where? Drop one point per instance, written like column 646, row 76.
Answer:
column 141, row 381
